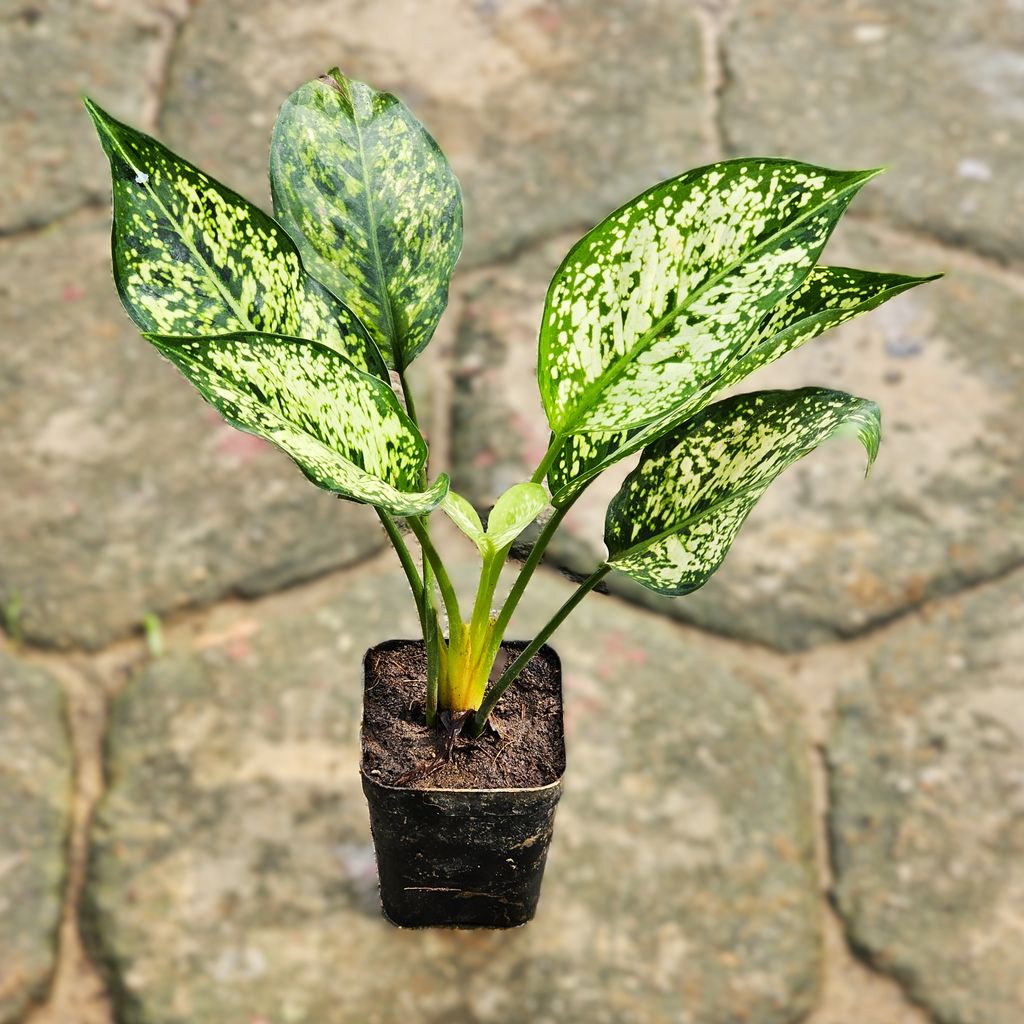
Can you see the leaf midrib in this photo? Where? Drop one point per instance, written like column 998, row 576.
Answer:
column 371, row 213
column 585, row 402
column 640, row 546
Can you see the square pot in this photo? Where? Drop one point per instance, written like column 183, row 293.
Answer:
column 462, row 855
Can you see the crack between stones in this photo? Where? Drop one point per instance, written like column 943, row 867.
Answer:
column 193, row 611
column 77, row 991
column 711, row 18
column 939, row 597
column 175, row 16
column 171, row 17
column 719, row 13
column 877, row 625
column 978, row 262
column 957, row 249
column 839, row 944
column 382, row 561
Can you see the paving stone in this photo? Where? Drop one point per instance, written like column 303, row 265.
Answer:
column 232, row 876
column 35, row 811
column 825, row 553
column 123, row 492
column 927, row 821
column 543, row 121
column 52, row 51
column 930, row 89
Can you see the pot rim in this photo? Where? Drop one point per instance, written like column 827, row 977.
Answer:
column 548, row 651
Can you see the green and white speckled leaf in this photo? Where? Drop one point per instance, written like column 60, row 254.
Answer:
column 372, row 204
column 193, row 258
column 828, row 296
column 677, row 514
column 344, row 428
column 654, row 302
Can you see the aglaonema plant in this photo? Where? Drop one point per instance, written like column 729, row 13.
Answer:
column 299, row 329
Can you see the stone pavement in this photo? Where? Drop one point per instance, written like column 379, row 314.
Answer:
column 927, row 823
column 232, row 875
column 805, row 803
column 35, row 819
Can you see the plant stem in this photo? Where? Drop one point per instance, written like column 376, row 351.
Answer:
column 484, row 592
column 433, row 639
column 410, row 405
column 536, row 554
column 451, row 602
column 549, row 456
column 405, row 557
column 431, row 635
column 509, row 675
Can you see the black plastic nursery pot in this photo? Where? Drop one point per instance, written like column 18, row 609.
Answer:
column 460, row 842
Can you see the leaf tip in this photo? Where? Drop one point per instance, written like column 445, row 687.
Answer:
column 335, row 80
column 443, row 484
column 870, row 433
column 95, row 111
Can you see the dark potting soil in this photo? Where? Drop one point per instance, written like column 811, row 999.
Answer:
column 527, row 750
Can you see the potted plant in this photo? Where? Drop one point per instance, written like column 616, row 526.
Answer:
column 301, row 329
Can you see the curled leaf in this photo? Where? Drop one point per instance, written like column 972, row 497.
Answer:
column 465, row 517
column 677, row 514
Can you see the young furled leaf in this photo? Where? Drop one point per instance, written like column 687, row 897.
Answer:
column 465, row 517
column 344, row 428
column 652, row 303
column 193, row 258
column 514, row 511
column 678, row 512
column 828, row 296
column 372, row 204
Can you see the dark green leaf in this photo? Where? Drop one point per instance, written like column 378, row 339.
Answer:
column 193, row 258
column 373, row 205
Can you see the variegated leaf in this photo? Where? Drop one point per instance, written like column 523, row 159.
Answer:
column 828, row 296
column 344, row 428
column 651, row 305
column 373, row 205
column 678, row 512
column 193, row 258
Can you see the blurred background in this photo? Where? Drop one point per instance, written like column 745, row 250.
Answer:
column 797, row 795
